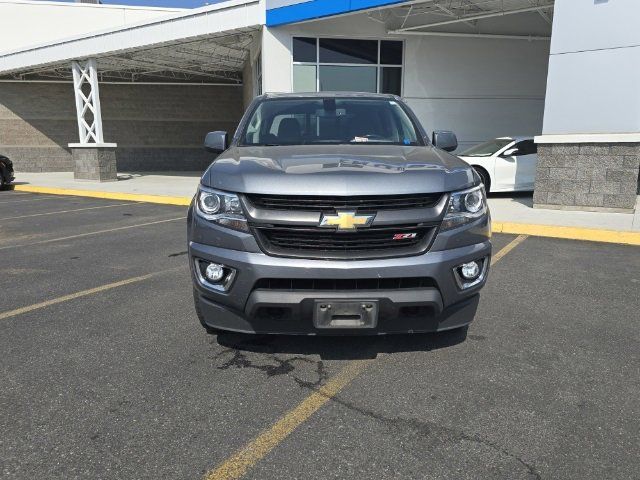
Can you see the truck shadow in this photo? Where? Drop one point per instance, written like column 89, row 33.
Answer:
column 342, row 347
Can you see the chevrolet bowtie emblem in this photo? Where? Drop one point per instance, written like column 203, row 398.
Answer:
column 346, row 220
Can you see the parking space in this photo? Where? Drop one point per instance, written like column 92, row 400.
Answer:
column 122, row 382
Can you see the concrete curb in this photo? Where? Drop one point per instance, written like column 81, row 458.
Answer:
column 569, row 233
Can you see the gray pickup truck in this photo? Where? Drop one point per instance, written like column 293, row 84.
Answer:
column 335, row 214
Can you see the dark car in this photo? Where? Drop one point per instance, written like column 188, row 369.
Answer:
column 335, row 213
column 6, row 171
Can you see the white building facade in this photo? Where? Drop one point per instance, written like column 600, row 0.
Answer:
column 565, row 71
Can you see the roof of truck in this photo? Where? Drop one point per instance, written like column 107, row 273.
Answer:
column 330, row 95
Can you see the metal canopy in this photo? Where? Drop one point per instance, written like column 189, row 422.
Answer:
column 468, row 17
column 217, row 58
column 209, row 44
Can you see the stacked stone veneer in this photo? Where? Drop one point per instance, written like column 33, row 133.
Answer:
column 95, row 164
column 156, row 127
column 587, row 176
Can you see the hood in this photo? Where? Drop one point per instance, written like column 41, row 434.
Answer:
column 470, row 160
column 338, row 170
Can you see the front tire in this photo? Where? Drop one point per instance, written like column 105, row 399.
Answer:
column 3, row 172
column 484, row 175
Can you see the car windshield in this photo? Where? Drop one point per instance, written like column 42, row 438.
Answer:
column 487, row 149
column 329, row 121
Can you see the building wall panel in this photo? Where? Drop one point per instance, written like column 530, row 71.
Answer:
column 594, row 68
column 156, row 127
column 479, row 88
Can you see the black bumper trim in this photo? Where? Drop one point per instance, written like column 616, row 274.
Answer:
column 300, row 320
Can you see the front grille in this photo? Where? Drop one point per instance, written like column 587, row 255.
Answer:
column 294, row 284
column 320, row 203
column 316, row 242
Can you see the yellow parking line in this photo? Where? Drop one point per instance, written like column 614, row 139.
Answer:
column 66, row 298
column 135, row 197
column 506, row 249
column 59, row 239
column 39, row 199
column 245, row 458
column 69, row 211
column 240, row 462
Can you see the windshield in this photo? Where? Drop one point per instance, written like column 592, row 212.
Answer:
column 329, row 121
column 486, row 149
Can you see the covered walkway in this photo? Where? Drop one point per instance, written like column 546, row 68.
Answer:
column 145, row 93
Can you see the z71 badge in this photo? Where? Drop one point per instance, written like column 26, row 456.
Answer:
column 404, row 236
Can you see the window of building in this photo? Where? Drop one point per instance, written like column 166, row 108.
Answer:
column 339, row 64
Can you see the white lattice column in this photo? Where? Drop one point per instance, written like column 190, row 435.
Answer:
column 87, row 91
column 94, row 159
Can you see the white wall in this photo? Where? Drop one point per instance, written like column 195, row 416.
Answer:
column 276, row 60
column 479, row 88
column 594, row 68
column 27, row 23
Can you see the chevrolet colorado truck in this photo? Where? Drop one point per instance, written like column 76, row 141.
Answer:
column 334, row 213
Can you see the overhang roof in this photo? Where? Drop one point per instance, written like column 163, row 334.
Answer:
column 411, row 17
column 205, row 44
column 472, row 17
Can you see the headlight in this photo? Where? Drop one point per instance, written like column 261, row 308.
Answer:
column 465, row 207
column 222, row 208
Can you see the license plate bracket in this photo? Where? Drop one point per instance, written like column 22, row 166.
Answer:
column 337, row 314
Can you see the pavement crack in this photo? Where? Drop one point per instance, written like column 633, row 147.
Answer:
column 436, row 433
column 322, row 377
column 272, row 365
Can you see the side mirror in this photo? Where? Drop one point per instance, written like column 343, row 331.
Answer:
column 444, row 140
column 510, row 153
column 216, row 142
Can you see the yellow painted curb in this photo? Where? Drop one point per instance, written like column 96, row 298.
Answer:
column 134, row 197
column 570, row 233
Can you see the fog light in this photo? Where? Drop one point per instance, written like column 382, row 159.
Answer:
column 470, row 271
column 214, row 276
column 214, row 272
column 471, row 274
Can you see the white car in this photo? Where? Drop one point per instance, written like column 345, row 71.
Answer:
column 505, row 164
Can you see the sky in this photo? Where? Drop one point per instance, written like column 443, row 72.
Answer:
column 160, row 3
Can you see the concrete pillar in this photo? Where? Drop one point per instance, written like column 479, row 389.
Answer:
column 276, row 50
column 93, row 159
column 589, row 151
column 94, row 162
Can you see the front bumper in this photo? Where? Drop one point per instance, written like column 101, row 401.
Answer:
column 245, row 308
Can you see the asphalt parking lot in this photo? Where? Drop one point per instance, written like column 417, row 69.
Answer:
column 107, row 374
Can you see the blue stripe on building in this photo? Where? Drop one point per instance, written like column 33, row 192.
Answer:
column 320, row 8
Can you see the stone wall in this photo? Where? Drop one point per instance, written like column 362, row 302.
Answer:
column 156, row 127
column 595, row 177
